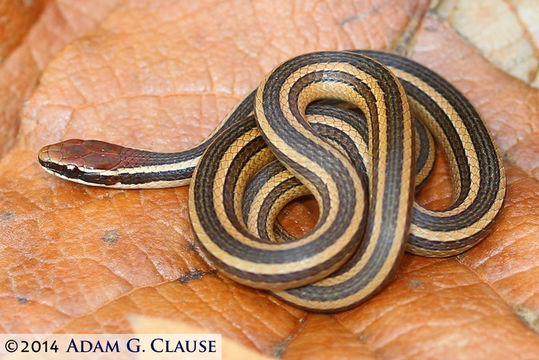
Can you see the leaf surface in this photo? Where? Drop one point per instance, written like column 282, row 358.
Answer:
column 160, row 75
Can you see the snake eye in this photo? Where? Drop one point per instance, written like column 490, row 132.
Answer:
column 71, row 170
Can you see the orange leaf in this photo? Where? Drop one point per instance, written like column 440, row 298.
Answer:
column 160, row 75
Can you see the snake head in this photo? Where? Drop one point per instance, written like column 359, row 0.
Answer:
column 76, row 159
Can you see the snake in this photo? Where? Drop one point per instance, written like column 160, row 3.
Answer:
column 352, row 128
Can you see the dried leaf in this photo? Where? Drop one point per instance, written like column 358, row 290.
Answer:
column 160, row 75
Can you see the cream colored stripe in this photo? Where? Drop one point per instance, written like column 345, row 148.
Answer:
column 178, row 166
column 239, row 263
column 310, row 93
column 464, row 137
column 407, row 152
column 152, row 185
column 262, row 193
column 281, row 268
column 253, row 165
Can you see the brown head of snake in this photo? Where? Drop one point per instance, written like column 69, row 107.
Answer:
column 293, row 136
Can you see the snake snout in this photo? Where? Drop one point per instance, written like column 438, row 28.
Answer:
column 49, row 154
column 61, row 157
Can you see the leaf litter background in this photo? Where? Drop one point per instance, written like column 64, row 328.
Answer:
column 160, row 75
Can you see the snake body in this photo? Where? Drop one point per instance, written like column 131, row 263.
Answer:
column 362, row 180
